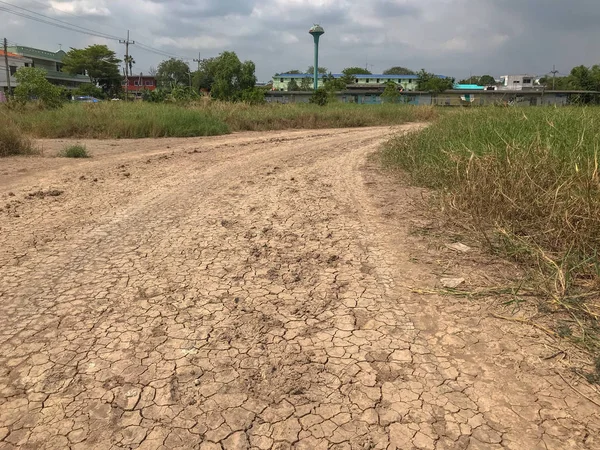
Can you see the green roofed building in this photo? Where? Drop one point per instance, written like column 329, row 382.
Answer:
column 51, row 62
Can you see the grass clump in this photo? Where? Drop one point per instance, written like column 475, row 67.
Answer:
column 528, row 180
column 75, row 151
column 13, row 142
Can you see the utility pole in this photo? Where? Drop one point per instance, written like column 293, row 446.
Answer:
column 198, row 60
column 7, row 68
column 127, row 42
column 554, row 72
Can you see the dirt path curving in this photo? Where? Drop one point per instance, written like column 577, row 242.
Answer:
column 248, row 291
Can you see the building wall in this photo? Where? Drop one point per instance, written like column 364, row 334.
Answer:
column 14, row 64
column 479, row 98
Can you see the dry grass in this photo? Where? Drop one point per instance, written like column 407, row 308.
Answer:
column 13, row 141
column 527, row 180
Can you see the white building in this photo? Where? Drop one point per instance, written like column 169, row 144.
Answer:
column 15, row 62
column 518, row 82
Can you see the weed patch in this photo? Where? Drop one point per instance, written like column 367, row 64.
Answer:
column 75, row 151
column 527, row 181
column 13, row 142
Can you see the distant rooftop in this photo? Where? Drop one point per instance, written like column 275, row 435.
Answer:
column 31, row 52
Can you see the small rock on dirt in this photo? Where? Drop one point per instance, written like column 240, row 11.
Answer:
column 457, row 246
column 452, row 282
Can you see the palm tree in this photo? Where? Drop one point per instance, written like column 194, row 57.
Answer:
column 129, row 62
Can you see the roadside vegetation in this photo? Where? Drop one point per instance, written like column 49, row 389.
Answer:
column 527, row 180
column 13, row 141
column 75, row 151
column 139, row 120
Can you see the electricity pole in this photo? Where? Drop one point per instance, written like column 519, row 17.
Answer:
column 554, row 72
column 127, row 42
column 6, row 64
column 198, row 60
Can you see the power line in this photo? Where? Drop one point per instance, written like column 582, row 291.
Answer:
column 70, row 28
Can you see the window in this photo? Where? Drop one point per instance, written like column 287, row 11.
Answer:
column 378, row 80
column 356, row 81
column 13, row 70
column 26, row 64
column 149, row 83
column 367, row 80
column 526, row 80
column 281, row 80
column 516, row 82
column 136, row 83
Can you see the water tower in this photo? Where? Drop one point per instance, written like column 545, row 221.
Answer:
column 317, row 31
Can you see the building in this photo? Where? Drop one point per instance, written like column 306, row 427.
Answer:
column 139, row 83
column 374, row 81
column 518, row 82
column 51, row 62
column 15, row 62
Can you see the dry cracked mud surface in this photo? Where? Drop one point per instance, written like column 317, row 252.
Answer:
column 248, row 292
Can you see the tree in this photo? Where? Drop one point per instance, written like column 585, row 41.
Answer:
column 430, row 82
column 204, row 77
column 487, row 80
column 232, row 77
column 293, row 86
column 33, row 85
column 306, row 84
column 398, row 70
column 391, row 93
column 321, row 70
column 172, row 72
column 333, row 84
column 152, row 71
column 355, row 71
column 99, row 63
column 294, row 71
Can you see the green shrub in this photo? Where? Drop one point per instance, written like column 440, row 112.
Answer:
column 75, row 151
column 320, row 97
column 33, row 86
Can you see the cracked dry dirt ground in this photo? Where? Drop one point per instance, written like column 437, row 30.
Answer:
column 246, row 291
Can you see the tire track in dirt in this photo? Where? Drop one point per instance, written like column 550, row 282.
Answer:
column 247, row 292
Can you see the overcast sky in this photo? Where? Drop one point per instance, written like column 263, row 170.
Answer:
column 449, row 37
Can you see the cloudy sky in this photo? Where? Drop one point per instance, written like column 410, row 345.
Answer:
column 450, row 37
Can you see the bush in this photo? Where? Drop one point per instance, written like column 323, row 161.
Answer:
column 320, row 97
column 33, row 86
column 75, row 151
column 253, row 96
column 13, row 142
column 88, row 89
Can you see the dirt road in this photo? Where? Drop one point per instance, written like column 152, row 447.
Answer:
column 249, row 291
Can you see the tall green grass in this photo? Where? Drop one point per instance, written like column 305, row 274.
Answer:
column 528, row 180
column 118, row 120
column 139, row 120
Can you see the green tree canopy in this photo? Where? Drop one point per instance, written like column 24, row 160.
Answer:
column 356, row 71
column 430, row 82
column 306, row 84
column 204, row 77
column 293, row 86
column 172, row 72
column 398, row 70
column 232, row 77
column 485, row 80
column 391, row 93
column 294, row 71
column 322, row 70
column 98, row 62
column 33, row 85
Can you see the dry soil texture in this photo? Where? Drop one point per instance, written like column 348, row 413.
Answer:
column 248, row 291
